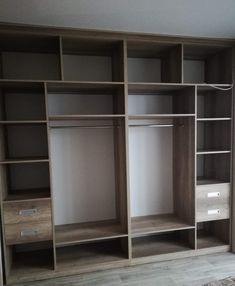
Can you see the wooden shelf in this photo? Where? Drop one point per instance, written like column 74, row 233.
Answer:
column 25, row 160
column 30, row 194
column 22, row 122
column 156, row 116
column 85, row 117
column 157, row 223
column 208, row 152
column 205, row 240
column 153, row 245
column 83, row 232
column 214, row 119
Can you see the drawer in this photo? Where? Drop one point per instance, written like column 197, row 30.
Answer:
column 213, row 202
column 30, row 211
column 28, row 232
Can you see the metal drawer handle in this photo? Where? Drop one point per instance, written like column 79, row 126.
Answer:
column 28, row 232
column 213, row 195
column 213, row 212
column 28, row 212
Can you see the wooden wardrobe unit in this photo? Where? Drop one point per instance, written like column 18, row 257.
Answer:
column 116, row 149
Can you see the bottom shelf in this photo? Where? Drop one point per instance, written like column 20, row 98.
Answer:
column 91, row 254
column 170, row 242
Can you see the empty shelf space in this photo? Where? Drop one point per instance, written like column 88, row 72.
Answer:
column 162, row 244
column 209, row 181
column 157, row 223
column 91, row 254
column 82, row 232
column 213, row 234
column 28, row 194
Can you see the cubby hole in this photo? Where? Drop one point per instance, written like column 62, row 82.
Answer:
column 147, row 99
column 160, row 201
column 22, row 102
column 24, row 141
column 94, row 205
column 207, row 64
column 214, row 136
column 213, row 168
column 92, row 60
column 169, row 242
column 92, row 254
column 154, row 62
column 82, row 99
column 32, row 258
column 213, row 103
column 25, row 181
column 213, row 233
column 29, row 57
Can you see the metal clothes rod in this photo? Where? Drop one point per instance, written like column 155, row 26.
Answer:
column 85, row 126
column 151, row 125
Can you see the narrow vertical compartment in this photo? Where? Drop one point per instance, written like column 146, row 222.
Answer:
column 87, row 59
column 29, row 57
column 207, row 64
column 154, row 62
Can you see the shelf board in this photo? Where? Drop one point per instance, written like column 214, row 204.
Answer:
column 156, row 116
column 82, row 232
column 85, row 117
column 214, row 119
column 205, row 152
column 150, row 246
column 205, row 240
column 209, row 181
column 30, row 194
column 25, row 160
column 203, row 87
column 157, row 224
column 16, row 122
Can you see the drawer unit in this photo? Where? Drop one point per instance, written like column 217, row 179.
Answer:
column 28, row 211
column 213, row 202
column 28, row 232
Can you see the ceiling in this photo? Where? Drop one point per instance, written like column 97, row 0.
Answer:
column 206, row 18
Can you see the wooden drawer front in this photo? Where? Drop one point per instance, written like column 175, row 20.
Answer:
column 27, row 232
column 32, row 211
column 213, row 202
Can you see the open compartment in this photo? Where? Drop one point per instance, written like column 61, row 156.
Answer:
column 30, row 258
column 207, row 64
column 213, row 233
column 213, row 168
column 213, row 104
column 92, row 256
column 160, row 244
column 161, row 193
column 29, row 57
column 92, row 60
column 25, row 181
column 154, row 62
column 22, row 102
column 214, row 136
column 90, row 202
column 66, row 100
column 161, row 99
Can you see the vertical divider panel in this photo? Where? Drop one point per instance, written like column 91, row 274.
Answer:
column 127, row 146
column 195, row 154
column 61, row 59
column 50, row 176
column 182, row 63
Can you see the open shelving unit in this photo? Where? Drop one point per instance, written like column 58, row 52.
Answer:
column 116, row 149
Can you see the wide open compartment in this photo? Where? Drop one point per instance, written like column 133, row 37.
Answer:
column 85, row 99
column 213, row 233
column 27, row 261
column 22, row 102
column 169, row 242
column 92, row 60
column 89, row 179
column 214, row 136
column 154, row 62
column 91, row 256
column 29, row 57
column 207, row 64
column 213, row 103
column 213, row 168
column 161, row 167
column 160, row 99
column 25, row 181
